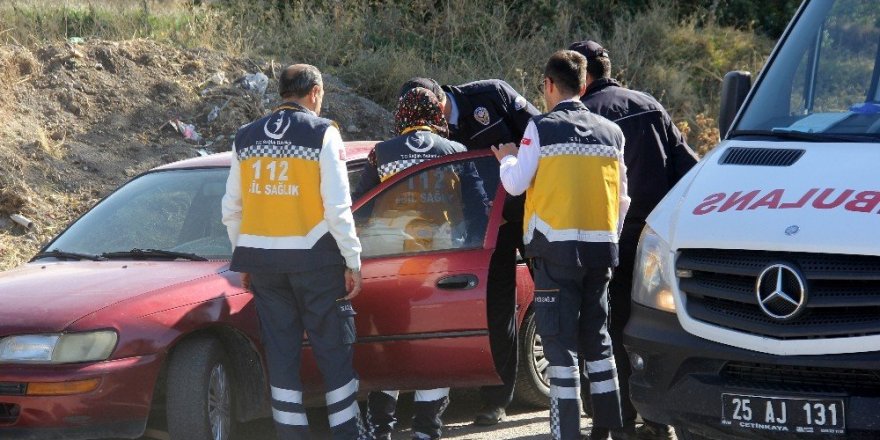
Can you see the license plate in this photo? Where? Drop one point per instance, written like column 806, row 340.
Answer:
column 783, row 414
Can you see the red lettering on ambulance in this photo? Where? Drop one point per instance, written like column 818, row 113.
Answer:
column 802, row 202
column 739, row 202
column 865, row 201
column 771, row 200
column 820, row 202
column 708, row 204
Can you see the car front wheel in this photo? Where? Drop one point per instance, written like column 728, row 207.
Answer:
column 532, row 385
column 199, row 395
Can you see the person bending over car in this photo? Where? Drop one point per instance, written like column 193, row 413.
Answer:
column 288, row 213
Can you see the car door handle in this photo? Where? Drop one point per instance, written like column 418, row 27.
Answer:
column 458, row 282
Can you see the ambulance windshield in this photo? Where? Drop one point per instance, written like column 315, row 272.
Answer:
column 824, row 79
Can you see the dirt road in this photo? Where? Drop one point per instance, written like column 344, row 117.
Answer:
column 521, row 423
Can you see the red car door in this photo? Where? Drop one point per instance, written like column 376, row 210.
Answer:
column 421, row 318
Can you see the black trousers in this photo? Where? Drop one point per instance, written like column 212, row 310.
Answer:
column 620, row 299
column 428, row 408
column 571, row 315
column 501, row 313
column 288, row 304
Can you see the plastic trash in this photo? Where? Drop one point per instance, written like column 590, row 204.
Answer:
column 22, row 220
column 218, row 78
column 76, row 40
column 255, row 82
column 215, row 112
column 187, row 130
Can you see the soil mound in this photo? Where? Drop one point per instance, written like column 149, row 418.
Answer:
column 80, row 118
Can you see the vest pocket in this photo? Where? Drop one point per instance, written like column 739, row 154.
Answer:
column 345, row 312
column 546, row 306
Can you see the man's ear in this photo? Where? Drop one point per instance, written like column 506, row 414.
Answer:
column 313, row 94
column 582, row 90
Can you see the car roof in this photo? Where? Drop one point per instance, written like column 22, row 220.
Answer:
column 354, row 150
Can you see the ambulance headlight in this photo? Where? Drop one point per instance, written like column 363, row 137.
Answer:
column 654, row 274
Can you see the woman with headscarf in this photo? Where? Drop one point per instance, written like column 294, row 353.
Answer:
column 414, row 215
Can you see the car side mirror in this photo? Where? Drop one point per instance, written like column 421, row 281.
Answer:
column 734, row 88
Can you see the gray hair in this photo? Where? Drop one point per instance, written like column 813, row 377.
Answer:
column 298, row 80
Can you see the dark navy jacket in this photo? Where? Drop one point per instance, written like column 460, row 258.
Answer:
column 656, row 154
column 491, row 112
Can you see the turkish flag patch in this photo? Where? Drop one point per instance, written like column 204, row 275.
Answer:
column 526, row 141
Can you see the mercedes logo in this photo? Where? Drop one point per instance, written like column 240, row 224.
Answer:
column 781, row 291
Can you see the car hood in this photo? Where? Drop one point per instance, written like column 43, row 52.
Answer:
column 827, row 201
column 47, row 297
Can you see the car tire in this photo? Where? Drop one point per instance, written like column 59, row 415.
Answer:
column 199, row 392
column 683, row 434
column 532, row 386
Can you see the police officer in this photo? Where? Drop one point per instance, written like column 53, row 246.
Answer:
column 422, row 129
column 570, row 165
column 288, row 213
column 482, row 114
column 657, row 156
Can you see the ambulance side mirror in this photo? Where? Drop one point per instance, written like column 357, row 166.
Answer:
column 734, row 88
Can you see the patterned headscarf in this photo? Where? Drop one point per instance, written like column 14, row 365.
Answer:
column 419, row 109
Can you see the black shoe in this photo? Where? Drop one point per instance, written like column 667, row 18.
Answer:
column 654, row 431
column 628, row 432
column 489, row 415
column 599, row 434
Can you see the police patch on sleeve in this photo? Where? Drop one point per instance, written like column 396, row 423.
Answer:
column 482, row 115
column 520, row 103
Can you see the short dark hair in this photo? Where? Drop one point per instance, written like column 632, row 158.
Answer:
column 568, row 70
column 599, row 67
column 297, row 80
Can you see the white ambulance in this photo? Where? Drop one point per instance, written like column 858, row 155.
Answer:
column 756, row 295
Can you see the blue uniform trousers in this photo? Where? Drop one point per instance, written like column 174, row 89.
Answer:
column 571, row 312
column 287, row 305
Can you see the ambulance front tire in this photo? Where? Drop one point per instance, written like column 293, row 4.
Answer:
column 532, row 387
column 199, row 391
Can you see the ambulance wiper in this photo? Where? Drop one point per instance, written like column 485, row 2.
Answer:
column 143, row 254
column 823, row 137
column 64, row 255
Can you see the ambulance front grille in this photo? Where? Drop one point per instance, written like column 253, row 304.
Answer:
column 843, row 292
column 803, row 378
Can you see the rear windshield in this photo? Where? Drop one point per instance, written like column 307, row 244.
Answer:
column 825, row 76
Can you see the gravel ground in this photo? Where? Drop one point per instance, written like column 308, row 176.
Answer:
column 521, row 423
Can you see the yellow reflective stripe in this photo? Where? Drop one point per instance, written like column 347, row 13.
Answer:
column 408, row 130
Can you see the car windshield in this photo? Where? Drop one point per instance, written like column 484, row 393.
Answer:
column 824, row 79
column 176, row 210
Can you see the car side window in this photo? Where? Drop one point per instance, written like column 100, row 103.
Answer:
column 438, row 208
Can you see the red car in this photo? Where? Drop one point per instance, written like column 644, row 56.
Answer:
column 131, row 313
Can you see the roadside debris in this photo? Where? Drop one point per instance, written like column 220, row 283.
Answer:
column 187, row 130
column 255, row 82
column 22, row 220
column 215, row 112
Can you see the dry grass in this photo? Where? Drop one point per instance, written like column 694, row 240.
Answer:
column 373, row 46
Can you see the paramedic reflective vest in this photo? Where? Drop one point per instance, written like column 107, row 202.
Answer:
column 572, row 204
column 282, row 226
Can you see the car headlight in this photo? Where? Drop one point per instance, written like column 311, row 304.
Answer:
column 653, row 274
column 58, row 348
